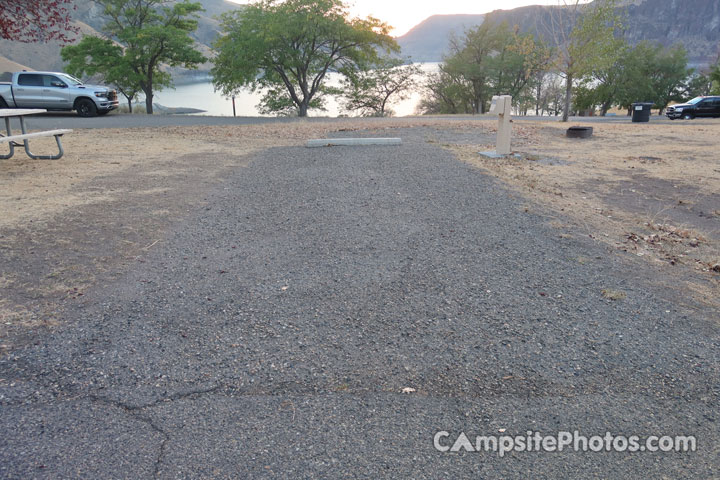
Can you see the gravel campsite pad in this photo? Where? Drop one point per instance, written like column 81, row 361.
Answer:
column 221, row 302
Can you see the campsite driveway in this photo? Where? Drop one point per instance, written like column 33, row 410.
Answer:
column 272, row 334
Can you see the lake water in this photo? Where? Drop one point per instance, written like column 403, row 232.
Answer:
column 204, row 97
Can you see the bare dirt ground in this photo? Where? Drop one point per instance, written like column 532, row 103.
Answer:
column 652, row 190
column 75, row 223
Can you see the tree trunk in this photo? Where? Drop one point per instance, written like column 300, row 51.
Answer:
column 303, row 109
column 149, row 102
column 149, row 90
column 129, row 100
column 604, row 109
column 568, row 97
column 148, row 98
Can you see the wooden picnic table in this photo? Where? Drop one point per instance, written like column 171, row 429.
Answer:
column 12, row 140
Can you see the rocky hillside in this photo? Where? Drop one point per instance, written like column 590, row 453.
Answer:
column 428, row 41
column 88, row 16
column 693, row 23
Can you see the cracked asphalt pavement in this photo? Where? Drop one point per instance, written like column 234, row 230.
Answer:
column 272, row 333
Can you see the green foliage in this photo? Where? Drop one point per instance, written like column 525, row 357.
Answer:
column 149, row 34
column 369, row 91
column 275, row 101
column 715, row 78
column 289, row 47
column 593, row 43
column 586, row 36
column 488, row 60
column 603, row 84
column 585, row 97
column 100, row 56
column 699, row 85
column 644, row 73
column 446, row 92
column 666, row 73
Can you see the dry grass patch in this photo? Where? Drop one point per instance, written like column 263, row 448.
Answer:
column 649, row 189
column 614, row 295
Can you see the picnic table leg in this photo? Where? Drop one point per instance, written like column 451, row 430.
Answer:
column 12, row 146
column 41, row 157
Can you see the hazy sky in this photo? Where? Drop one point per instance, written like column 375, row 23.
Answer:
column 405, row 14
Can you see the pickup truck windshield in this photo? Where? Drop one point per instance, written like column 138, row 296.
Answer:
column 695, row 100
column 70, row 79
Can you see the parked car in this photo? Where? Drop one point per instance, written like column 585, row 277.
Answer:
column 57, row 91
column 697, row 107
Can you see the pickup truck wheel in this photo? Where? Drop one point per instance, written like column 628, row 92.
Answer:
column 688, row 116
column 3, row 104
column 86, row 108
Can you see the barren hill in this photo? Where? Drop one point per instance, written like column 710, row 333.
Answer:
column 88, row 16
column 429, row 40
column 693, row 23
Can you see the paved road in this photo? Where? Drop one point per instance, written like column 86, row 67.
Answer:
column 271, row 336
column 70, row 120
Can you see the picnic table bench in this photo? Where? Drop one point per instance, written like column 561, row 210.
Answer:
column 13, row 140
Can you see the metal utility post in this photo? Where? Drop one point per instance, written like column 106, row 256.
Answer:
column 501, row 105
column 233, row 100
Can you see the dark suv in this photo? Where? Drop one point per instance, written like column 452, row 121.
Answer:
column 697, row 107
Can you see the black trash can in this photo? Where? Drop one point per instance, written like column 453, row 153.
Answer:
column 641, row 112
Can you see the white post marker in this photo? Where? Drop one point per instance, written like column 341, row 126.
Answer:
column 501, row 106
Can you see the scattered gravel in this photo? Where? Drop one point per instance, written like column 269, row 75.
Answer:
column 272, row 334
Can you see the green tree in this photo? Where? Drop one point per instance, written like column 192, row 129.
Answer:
column 668, row 74
column 643, row 73
column 604, row 84
column 698, row 85
column 715, row 78
column 369, row 91
column 151, row 34
column 470, row 58
column 446, row 92
column 585, row 36
column 95, row 56
column 287, row 49
column 518, row 61
column 492, row 59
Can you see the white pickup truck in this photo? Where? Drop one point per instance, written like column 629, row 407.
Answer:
column 56, row 91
